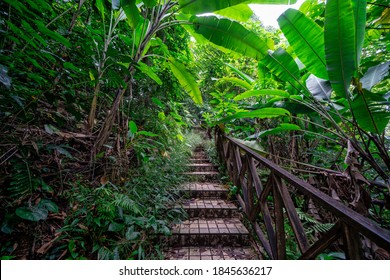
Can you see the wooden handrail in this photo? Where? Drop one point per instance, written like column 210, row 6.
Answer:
column 240, row 161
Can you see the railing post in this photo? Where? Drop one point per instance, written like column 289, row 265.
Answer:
column 279, row 224
column 352, row 243
column 243, row 172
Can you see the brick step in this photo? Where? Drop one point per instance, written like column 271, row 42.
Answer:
column 199, row 160
column 211, row 253
column 210, row 208
column 199, row 155
column 203, row 176
column 202, row 167
column 201, row 173
column 205, row 190
column 210, row 232
column 203, row 164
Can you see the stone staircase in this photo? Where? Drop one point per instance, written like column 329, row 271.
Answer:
column 213, row 230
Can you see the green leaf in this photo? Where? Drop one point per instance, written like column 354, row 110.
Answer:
column 262, row 92
column 235, row 81
column 207, row 6
column 186, row 80
column 60, row 149
column 91, row 76
column 244, row 76
column 50, row 129
column 264, row 113
column 147, row 133
column 4, row 78
column 150, row 3
column 319, row 88
column 34, row 214
column 49, row 205
column 254, row 145
column 115, row 4
column 7, row 224
column 21, row 34
column 131, row 234
column 115, row 227
column 190, row 29
column 140, row 33
column 133, row 127
column 374, row 75
column 33, row 33
column 148, row 71
column 370, row 111
column 283, row 66
column 281, row 128
column 158, row 102
column 100, row 6
column 307, row 40
column 132, row 12
column 359, row 10
column 240, row 12
column 54, row 35
column 340, row 45
column 232, row 36
column 70, row 66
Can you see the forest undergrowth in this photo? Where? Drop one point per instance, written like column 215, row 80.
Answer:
column 101, row 220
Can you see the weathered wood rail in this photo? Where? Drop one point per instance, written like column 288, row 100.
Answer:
column 268, row 219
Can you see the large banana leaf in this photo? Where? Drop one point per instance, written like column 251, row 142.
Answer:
column 186, row 80
column 244, row 76
column 132, row 13
column 307, row 40
column 240, row 12
column 147, row 70
column 232, row 35
column 319, row 88
column 207, row 6
column 340, row 45
column 100, row 6
column 283, row 127
column 359, row 9
column 235, row 81
column 374, row 75
column 150, row 3
column 283, row 66
column 190, row 29
column 370, row 111
column 263, row 113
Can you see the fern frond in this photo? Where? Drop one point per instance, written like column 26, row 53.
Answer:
column 126, row 203
column 306, row 217
column 22, row 183
column 105, row 254
column 322, row 227
column 106, row 211
column 316, row 225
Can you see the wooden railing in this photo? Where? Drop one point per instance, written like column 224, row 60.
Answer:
column 266, row 200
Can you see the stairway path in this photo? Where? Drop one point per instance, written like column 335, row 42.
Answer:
column 214, row 230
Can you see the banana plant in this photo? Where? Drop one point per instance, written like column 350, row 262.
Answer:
column 335, row 87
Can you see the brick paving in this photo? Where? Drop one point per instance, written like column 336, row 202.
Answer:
column 214, row 230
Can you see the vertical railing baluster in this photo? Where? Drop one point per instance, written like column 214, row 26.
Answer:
column 279, row 224
column 352, row 243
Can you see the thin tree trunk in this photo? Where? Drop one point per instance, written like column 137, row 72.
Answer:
column 75, row 15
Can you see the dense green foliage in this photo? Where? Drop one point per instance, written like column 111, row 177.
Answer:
column 97, row 97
